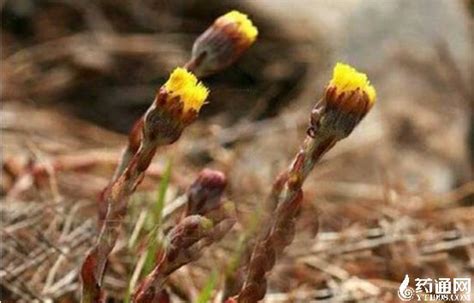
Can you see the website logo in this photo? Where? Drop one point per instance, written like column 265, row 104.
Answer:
column 435, row 290
column 405, row 292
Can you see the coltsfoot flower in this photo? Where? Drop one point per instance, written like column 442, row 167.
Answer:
column 183, row 87
column 348, row 98
column 177, row 105
column 222, row 43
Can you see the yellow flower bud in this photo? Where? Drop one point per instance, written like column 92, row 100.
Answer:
column 176, row 105
column 348, row 98
column 243, row 25
column 185, row 86
column 347, row 79
column 222, row 43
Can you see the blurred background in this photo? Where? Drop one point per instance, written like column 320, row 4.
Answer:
column 394, row 198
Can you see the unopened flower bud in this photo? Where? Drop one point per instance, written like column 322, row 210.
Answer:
column 222, row 43
column 177, row 104
column 348, row 98
column 206, row 192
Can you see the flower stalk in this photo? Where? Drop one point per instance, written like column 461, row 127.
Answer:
column 175, row 107
column 221, row 45
column 214, row 50
column 207, row 220
column 347, row 99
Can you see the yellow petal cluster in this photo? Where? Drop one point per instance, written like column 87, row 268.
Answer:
column 346, row 79
column 244, row 24
column 185, row 85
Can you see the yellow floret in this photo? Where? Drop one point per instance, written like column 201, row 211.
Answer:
column 185, row 85
column 346, row 78
column 244, row 24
